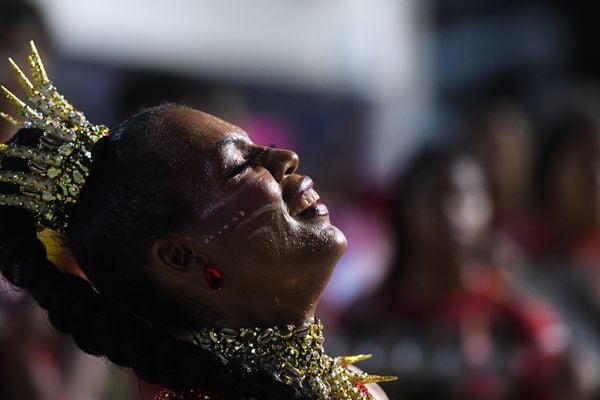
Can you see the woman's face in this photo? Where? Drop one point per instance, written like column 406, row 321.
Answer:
column 260, row 223
column 468, row 206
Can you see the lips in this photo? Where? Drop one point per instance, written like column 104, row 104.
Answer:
column 306, row 199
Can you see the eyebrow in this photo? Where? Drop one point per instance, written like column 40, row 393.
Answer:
column 227, row 141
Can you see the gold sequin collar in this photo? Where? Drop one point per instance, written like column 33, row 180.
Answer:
column 294, row 355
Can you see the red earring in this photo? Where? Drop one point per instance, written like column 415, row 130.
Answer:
column 213, row 278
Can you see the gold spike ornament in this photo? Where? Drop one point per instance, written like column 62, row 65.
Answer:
column 59, row 165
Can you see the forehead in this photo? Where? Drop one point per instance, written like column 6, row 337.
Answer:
column 208, row 131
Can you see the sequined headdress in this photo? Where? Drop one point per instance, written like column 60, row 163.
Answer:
column 59, row 165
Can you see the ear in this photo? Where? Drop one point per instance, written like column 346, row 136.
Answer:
column 172, row 253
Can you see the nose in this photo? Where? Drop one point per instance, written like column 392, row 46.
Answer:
column 280, row 163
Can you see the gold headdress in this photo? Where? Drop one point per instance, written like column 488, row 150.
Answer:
column 59, row 165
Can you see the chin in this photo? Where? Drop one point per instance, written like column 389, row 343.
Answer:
column 318, row 259
column 331, row 245
column 339, row 242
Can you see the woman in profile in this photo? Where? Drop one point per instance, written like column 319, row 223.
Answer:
column 191, row 255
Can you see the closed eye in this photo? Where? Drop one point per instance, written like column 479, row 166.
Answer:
column 251, row 160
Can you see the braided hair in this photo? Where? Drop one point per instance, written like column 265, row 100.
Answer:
column 122, row 208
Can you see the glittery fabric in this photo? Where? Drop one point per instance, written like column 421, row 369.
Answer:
column 294, row 355
column 60, row 164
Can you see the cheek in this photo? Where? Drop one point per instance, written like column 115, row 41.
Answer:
column 236, row 216
column 258, row 194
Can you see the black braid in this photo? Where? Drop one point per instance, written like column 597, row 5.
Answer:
column 101, row 328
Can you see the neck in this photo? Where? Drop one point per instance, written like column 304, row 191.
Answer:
column 238, row 307
column 276, row 311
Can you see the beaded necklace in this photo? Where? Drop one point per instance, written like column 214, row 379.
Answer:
column 166, row 394
column 293, row 355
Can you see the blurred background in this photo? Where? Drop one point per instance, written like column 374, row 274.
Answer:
column 457, row 144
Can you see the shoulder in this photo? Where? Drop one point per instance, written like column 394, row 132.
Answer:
column 374, row 389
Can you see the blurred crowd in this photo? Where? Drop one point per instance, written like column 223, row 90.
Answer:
column 473, row 270
column 492, row 291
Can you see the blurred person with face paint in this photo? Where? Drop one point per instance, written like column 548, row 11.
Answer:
column 449, row 324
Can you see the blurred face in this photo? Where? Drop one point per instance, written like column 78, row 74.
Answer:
column 260, row 222
column 450, row 209
column 468, row 206
column 576, row 188
column 507, row 158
